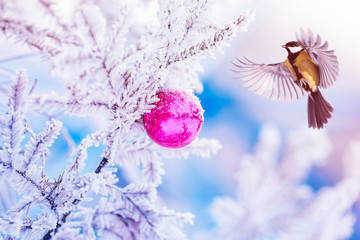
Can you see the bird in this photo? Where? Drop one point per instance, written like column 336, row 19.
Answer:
column 309, row 66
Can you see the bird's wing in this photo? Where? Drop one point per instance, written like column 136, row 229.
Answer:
column 324, row 58
column 273, row 81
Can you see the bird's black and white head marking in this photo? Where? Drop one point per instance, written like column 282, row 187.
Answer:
column 293, row 47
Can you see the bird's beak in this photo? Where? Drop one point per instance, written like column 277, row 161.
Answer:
column 283, row 46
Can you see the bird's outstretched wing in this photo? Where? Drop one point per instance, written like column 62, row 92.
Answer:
column 273, row 81
column 324, row 58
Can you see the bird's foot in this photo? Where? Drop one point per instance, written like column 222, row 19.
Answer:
column 303, row 83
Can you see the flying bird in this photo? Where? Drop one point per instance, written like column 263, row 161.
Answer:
column 308, row 67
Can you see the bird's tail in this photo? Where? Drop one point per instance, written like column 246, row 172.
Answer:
column 319, row 110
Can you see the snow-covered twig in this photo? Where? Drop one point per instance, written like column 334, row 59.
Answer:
column 111, row 65
column 272, row 203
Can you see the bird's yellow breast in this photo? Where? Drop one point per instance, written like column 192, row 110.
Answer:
column 306, row 67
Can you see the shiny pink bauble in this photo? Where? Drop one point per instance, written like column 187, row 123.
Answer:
column 176, row 119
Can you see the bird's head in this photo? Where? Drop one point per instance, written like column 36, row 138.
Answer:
column 292, row 47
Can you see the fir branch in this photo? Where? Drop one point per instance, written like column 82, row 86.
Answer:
column 215, row 41
column 78, row 106
column 39, row 143
column 109, row 68
column 92, row 24
column 132, row 211
column 296, row 211
column 13, row 135
column 49, row 6
column 194, row 14
column 47, row 42
column 102, row 164
column 81, row 153
column 152, row 170
column 62, row 219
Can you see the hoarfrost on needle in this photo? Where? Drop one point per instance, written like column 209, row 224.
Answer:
column 111, row 62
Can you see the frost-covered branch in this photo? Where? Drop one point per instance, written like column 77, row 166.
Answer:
column 22, row 168
column 111, row 63
column 216, row 40
column 47, row 42
column 273, row 203
column 12, row 133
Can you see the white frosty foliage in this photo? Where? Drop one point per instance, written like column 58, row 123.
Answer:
column 23, row 170
column 273, row 202
column 112, row 56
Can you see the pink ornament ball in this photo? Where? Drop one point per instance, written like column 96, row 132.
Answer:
column 176, row 119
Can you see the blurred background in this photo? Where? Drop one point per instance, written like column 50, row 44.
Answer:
column 234, row 115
